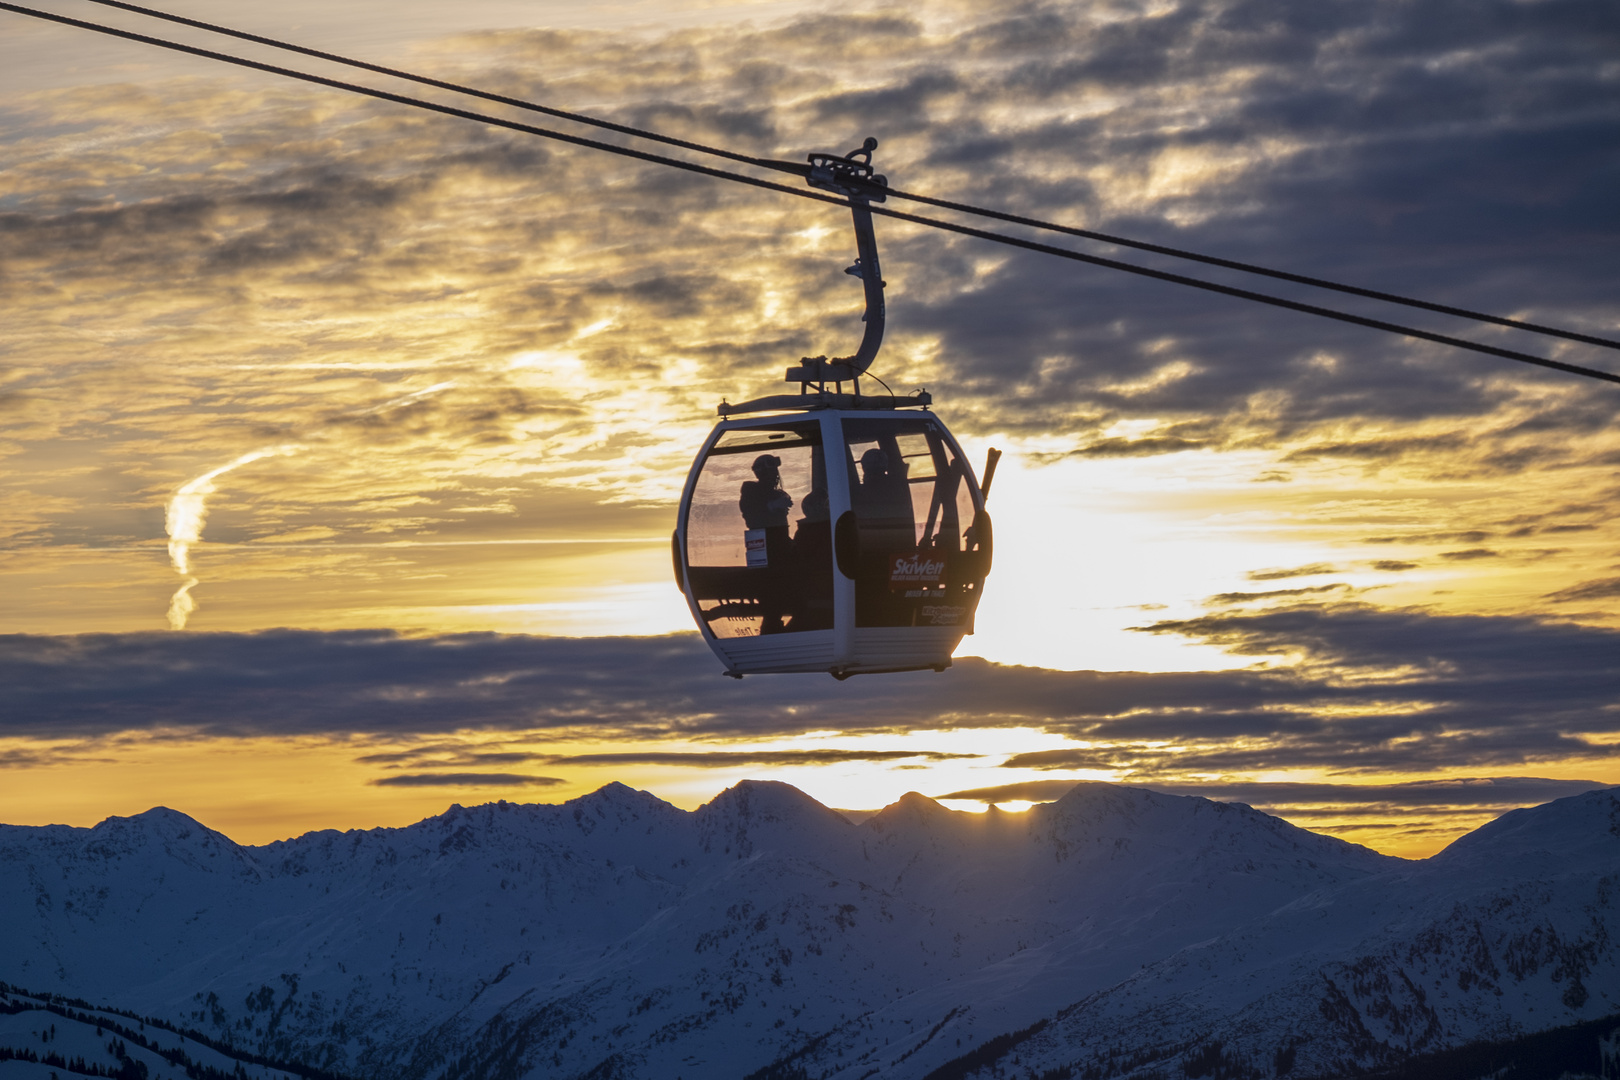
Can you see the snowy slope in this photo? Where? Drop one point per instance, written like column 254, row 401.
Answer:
column 1513, row 929
column 616, row 935
column 44, row 1038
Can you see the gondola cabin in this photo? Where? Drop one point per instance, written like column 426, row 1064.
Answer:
column 844, row 540
column 831, row 531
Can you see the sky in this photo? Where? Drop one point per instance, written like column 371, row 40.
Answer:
column 340, row 442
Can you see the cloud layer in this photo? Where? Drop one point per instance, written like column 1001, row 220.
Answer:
column 1364, row 691
column 194, row 271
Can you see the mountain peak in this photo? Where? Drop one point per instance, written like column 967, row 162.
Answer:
column 911, row 809
column 1092, row 792
column 764, row 797
column 1571, row 829
column 158, row 822
column 162, row 832
column 913, row 802
column 162, row 814
column 752, row 812
column 620, row 796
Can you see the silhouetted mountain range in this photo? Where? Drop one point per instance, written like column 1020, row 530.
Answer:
column 1115, row 932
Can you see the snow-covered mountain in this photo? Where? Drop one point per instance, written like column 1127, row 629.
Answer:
column 618, row 936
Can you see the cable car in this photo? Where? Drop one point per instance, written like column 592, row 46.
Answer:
column 828, row 530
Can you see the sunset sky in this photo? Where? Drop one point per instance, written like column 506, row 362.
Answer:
column 340, row 442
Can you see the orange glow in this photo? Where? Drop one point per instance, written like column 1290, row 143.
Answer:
column 278, row 358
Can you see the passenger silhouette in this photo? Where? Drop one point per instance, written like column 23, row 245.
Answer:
column 763, row 503
column 765, row 507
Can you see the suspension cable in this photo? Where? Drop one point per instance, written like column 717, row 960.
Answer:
column 424, row 80
column 945, row 204
column 965, row 230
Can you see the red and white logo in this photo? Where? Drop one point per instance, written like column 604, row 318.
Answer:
column 754, row 547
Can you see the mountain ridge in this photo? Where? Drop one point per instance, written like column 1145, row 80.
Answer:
column 616, row 934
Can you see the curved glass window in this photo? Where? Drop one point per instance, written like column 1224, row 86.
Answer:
column 916, row 558
column 759, row 535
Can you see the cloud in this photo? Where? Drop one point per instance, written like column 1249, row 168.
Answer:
column 1472, row 536
column 1589, row 590
column 466, row 780
column 1302, row 121
column 1491, row 793
column 441, row 756
column 726, row 759
column 1481, row 689
column 30, row 758
column 1312, row 570
column 1328, row 145
column 1271, row 594
column 1470, row 554
column 200, row 268
column 1146, row 447
column 1351, row 688
column 1021, row 791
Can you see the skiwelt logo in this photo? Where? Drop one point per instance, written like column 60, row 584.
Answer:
column 754, row 546
column 915, row 570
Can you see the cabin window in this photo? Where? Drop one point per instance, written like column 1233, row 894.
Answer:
column 758, row 534
column 914, row 511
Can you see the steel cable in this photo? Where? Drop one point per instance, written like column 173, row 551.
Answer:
column 929, row 200
column 659, row 159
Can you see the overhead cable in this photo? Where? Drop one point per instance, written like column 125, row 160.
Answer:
column 803, row 193
column 895, row 193
column 424, row 80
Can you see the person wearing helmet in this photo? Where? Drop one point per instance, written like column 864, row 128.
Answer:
column 764, row 504
column 765, row 507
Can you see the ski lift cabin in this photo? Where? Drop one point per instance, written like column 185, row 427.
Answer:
column 833, row 531
column 845, row 540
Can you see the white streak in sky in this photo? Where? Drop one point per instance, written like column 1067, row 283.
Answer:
column 183, row 518
column 415, row 395
column 187, row 511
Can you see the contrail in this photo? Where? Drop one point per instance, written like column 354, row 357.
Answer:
column 187, row 510
column 183, row 519
column 406, row 400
